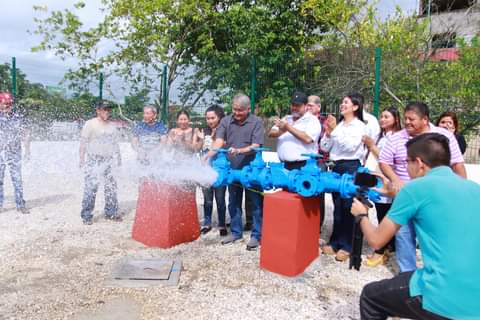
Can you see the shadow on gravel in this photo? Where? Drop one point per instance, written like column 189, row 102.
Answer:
column 39, row 202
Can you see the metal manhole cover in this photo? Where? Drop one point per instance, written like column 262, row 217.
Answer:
column 144, row 270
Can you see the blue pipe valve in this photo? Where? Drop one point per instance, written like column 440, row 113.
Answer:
column 307, row 181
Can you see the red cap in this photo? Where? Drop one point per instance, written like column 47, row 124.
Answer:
column 6, row 98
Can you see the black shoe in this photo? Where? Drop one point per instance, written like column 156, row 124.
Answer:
column 247, row 226
column 116, row 217
column 223, row 232
column 23, row 210
column 205, row 229
column 87, row 222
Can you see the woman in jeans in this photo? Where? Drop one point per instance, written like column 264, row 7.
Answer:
column 344, row 143
column 213, row 115
column 390, row 122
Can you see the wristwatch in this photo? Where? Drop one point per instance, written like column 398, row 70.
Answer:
column 360, row 216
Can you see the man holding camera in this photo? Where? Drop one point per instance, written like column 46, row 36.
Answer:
column 444, row 210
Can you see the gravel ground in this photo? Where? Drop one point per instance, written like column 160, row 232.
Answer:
column 54, row 267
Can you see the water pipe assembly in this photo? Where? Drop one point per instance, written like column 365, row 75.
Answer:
column 307, row 181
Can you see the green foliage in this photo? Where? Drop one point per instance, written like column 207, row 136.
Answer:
column 207, row 43
column 34, row 100
column 324, row 47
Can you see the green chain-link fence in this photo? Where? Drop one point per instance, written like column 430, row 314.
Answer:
column 446, row 79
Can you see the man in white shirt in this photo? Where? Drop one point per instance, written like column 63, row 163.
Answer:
column 98, row 150
column 297, row 133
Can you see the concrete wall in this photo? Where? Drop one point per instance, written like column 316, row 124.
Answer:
column 464, row 23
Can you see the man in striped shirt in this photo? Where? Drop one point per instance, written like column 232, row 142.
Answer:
column 393, row 163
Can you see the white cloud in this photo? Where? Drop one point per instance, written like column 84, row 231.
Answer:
column 16, row 41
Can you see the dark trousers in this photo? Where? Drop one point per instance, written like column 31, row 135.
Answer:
column 248, row 210
column 12, row 159
column 382, row 209
column 323, row 167
column 208, row 195
column 291, row 165
column 341, row 237
column 391, row 298
column 321, row 203
column 235, row 200
column 96, row 168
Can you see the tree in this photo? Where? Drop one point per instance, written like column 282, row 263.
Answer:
column 210, row 43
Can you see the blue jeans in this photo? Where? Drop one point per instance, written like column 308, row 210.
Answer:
column 96, row 168
column 12, row 159
column 235, row 199
column 208, row 194
column 343, row 220
column 405, row 246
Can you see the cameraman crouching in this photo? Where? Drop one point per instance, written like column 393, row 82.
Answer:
column 445, row 211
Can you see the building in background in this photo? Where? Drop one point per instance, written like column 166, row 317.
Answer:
column 450, row 20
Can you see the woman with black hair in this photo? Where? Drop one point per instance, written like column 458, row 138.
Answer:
column 184, row 138
column 390, row 122
column 344, row 143
column 213, row 115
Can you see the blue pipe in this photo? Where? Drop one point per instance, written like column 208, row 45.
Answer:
column 308, row 181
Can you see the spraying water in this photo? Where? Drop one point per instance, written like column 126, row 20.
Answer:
column 60, row 159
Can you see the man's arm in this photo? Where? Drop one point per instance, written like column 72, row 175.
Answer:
column 377, row 237
column 284, row 126
column 83, row 148
column 387, row 170
column 118, row 154
column 275, row 132
column 26, row 143
column 246, row 149
column 217, row 144
column 300, row 135
column 459, row 168
column 135, row 143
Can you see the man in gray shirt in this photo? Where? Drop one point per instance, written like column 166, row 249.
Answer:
column 240, row 132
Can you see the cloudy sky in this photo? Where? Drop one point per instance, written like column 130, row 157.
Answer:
column 17, row 18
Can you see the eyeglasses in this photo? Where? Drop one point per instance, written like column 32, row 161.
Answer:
column 413, row 160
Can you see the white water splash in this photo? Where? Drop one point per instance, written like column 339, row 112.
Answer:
column 60, row 159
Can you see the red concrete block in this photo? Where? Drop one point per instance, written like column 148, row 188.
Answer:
column 290, row 233
column 166, row 215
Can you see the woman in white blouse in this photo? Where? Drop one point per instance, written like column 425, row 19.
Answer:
column 344, row 143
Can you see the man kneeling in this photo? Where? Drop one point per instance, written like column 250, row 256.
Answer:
column 445, row 211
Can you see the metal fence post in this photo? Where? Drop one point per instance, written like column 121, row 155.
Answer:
column 14, row 79
column 376, row 96
column 253, row 84
column 100, row 87
column 164, row 95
